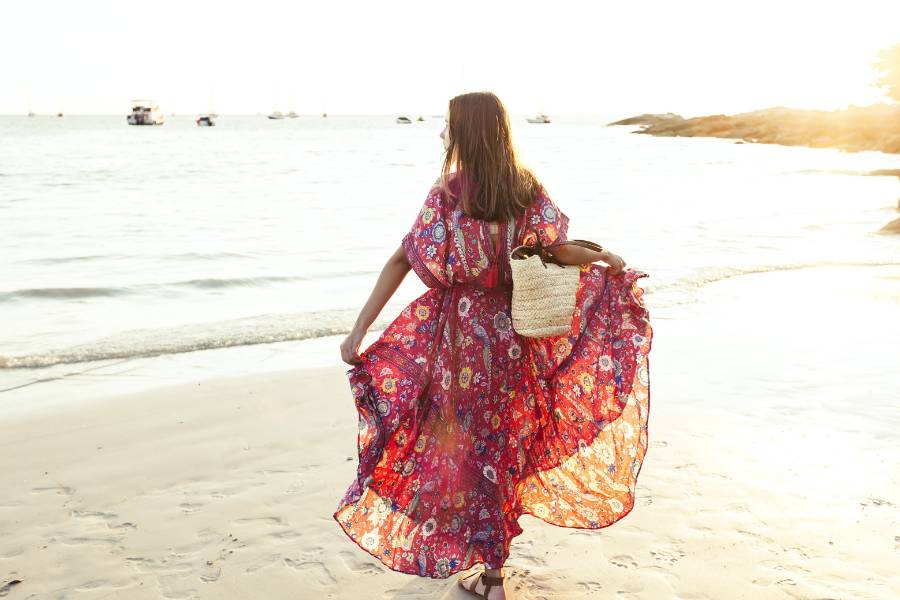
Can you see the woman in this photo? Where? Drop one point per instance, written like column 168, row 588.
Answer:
column 466, row 425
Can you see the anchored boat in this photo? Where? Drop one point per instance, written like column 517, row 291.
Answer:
column 145, row 112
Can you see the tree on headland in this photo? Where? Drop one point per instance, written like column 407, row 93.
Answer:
column 888, row 65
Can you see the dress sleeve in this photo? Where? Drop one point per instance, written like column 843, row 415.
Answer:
column 544, row 221
column 426, row 244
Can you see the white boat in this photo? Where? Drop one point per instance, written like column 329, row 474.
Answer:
column 145, row 112
column 292, row 115
column 205, row 121
column 276, row 115
column 539, row 118
column 420, row 119
column 403, row 120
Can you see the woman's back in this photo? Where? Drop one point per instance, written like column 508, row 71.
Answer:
column 445, row 246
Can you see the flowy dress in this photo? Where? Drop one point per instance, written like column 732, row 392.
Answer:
column 464, row 425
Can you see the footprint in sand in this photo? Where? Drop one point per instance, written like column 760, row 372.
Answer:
column 667, row 555
column 314, row 567
column 590, row 586
column 281, row 534
column 876, row 502
column 240, row 487
column 263, row 520
column 262, row 563
column 757, row 536
column 623, row 560
column 207, row 534
column 585, row 533
column 189, row 507
column 13, row 552
column 95, row 527
column 108, row 519
column 183, row 565
column 531, row 560
column 358, row 564
column 76, row 541
column 93, row 585
column 91, row 514
column 59, row 489
column 295, row 486
column 172, row 587
column 210, row 572
column 289, row 534
column 5, row 588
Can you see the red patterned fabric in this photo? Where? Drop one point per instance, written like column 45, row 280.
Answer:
column 464, row 425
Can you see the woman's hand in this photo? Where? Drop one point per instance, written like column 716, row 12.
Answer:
column 615, row 262
column 395, row 269
column 350, row 347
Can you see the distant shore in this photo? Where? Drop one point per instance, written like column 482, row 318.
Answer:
column 857, row 129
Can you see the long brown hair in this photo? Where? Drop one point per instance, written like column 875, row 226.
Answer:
column 493, row 185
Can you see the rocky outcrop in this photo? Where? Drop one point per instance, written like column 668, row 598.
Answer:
column 649, row 119
column 892, row 227
column 855, row 129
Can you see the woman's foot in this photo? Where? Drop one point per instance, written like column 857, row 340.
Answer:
column 490, row 579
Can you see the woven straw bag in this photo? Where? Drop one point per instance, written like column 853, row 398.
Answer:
column 543, row 294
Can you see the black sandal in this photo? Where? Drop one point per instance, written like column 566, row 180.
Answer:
column 489, row 583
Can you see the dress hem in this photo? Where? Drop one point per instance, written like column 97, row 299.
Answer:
column 450, row 573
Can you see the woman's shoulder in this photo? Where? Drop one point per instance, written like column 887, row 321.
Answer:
column 452, row 180
column 446, row 195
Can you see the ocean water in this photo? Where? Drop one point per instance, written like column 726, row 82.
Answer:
column 120, row 242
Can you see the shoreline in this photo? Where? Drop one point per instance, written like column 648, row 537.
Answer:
column 142, row 372
column 224, row 487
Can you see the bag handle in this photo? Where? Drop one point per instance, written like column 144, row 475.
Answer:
column 539, row 249
column 583, row 243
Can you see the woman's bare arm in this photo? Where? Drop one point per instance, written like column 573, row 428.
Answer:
column 576, row 255
column 395, row 269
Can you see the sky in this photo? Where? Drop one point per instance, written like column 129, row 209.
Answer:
column 360, row 57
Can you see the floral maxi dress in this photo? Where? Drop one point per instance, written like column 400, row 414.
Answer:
column 464, row 425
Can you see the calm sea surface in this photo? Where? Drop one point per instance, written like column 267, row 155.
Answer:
column 120, row 241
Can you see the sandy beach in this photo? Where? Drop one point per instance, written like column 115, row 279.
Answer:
column 772, row 472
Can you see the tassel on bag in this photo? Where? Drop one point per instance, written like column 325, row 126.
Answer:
column 543, row 294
